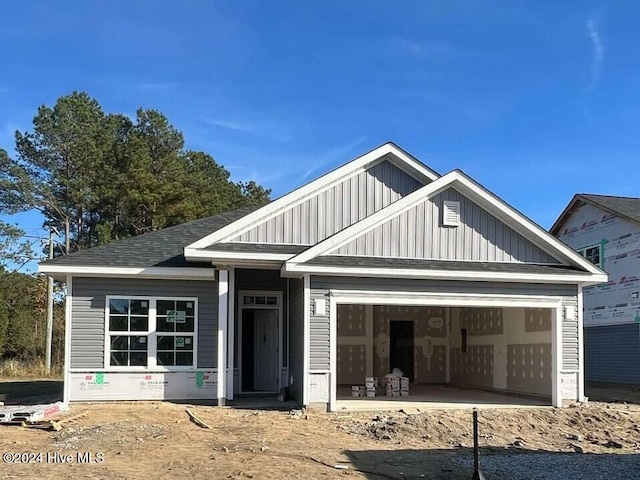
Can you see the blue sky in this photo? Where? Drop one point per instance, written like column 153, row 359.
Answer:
column 536, row 100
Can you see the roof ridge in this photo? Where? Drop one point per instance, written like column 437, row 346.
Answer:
column 608, row 196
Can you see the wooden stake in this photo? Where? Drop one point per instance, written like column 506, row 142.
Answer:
column 196, row 420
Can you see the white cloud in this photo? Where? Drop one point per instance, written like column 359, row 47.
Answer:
column 422, row 49
column 598, row 53
column 337, row 154
column 156, row 86
column 231, row 125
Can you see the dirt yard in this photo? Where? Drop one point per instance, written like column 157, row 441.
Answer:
column 142, row 440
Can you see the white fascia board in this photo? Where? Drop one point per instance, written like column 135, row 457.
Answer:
column 149, row 272
column 379, row 297
column 301, row 194
column 195, row 255
column 291, row 269
column 367, row 224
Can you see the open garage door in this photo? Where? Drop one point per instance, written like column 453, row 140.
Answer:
column 459, row 355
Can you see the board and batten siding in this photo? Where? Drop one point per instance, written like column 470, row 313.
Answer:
column 419, row 233
column 321, row 286
column 88, row 314
column 332, row 210
column 296, row 337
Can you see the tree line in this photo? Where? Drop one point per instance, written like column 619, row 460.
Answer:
column 97, row 177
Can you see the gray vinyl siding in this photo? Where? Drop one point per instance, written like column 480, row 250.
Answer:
column 418, row 233
column 319, row 333
column 88, row 314
column 296, row 337
column 320, row 287
column 334, row 209
column 612, row 354
column 570, row 335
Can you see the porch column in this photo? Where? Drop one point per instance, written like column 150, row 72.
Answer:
column 223, row 311
column 66, row 396
column 231, row 334
column 581, row 392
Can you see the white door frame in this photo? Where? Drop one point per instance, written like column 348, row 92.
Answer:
column 242, row 306
column 428, row 299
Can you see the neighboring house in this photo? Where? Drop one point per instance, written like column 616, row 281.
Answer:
column 606, row 231
column 380, row 263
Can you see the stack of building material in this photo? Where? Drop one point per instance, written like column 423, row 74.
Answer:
column 6, row 413
column 371, row 385
column 392, row 386
column 357, row 391
column 404, row 387
column 31, row 413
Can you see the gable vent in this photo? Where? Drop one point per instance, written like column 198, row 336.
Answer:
column 450, row 213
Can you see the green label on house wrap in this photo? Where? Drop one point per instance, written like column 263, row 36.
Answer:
column 99, row 378
column 199, row 379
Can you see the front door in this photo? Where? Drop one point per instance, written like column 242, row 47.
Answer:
column 259, row 350
column 265, row 326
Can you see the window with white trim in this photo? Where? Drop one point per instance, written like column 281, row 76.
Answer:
column 175, row 327
column 129, row 330
column 150, row 332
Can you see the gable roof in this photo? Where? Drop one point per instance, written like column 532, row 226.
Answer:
column 161, row 248
column 625, row 207
column 477, row 193
column 388, row 151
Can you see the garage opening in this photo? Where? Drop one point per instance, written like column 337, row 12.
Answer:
column 450, row 355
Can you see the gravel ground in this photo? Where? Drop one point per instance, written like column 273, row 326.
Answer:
column 555, row 466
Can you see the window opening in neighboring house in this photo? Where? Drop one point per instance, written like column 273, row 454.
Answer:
column 591, row 253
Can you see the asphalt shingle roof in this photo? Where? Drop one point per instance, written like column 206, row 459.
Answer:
column 450, row 265
column 162, row 248
column 623, row 206
column 257, row 248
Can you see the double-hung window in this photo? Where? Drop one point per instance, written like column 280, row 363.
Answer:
column 150, row 332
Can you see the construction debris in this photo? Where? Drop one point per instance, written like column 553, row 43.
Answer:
column 72, row 417
column 196, row 420
column 30, row 413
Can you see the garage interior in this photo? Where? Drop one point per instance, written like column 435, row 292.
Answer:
column 453, row 356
